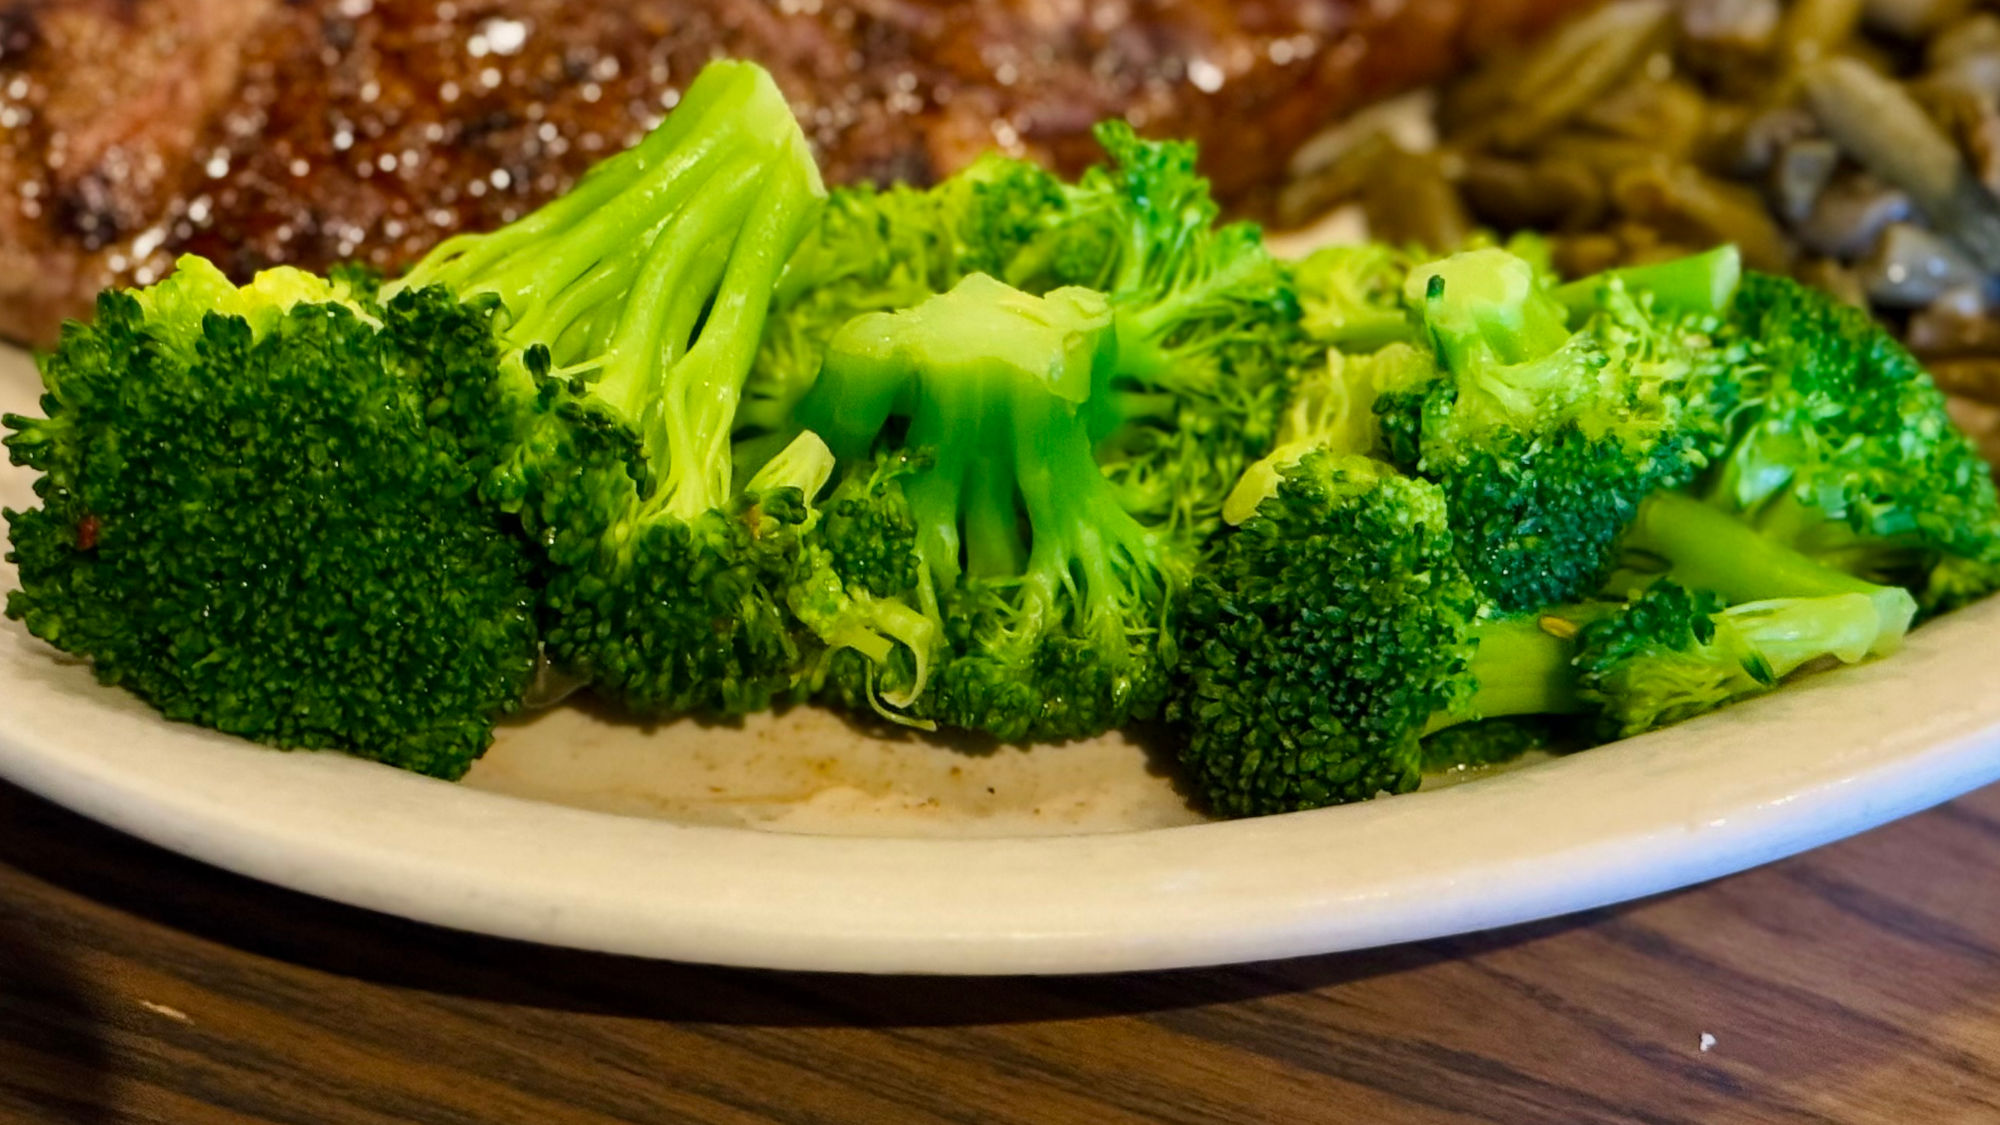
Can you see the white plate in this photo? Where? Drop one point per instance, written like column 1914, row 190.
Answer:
column 797, row 842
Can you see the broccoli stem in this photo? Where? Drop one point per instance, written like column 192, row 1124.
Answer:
column 1698, row 283
column 1705, row 548
column 1521, row 666
column 1788, row 633
column 623, row 200
column 1081, row 537
column 1487, row 304
column 708, row 383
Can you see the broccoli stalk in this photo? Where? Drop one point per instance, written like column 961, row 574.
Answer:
column 1050, row 598
column 1699, row 283
column 635, row 307
column 1703, row 548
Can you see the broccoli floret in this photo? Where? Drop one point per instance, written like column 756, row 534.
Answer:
column 1331, row 631
column 636, row 304
column 259, row 512
column 1842, row 448
column 1050, row 599
column 1208, row 333
column 879, row 250
column 1671, row 654
column 1683, row 540
column 1334, row 632
column 1332, row 410
column 579, row 368
column 1208, row 326
column 1544, row 429
column 1351, row 296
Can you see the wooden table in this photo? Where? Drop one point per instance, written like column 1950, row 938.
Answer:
column 1856, row 984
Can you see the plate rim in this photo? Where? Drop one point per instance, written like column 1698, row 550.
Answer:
column 1206, row 894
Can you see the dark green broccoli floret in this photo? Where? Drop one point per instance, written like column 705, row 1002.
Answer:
column 259, row 513
column 1330, row 632
column 1842, row 448
column 575, row 373
column 1335, row 629
column 1544, row 438
column 1050, row 599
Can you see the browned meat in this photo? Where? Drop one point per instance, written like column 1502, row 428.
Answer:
column 308, row 131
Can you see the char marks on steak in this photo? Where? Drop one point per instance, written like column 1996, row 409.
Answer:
column 260, row 132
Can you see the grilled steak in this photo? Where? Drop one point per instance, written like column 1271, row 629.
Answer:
column 259, row 132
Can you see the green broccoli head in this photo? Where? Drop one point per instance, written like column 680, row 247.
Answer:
column 1207, row 319
column 1321, row 640
column 260, row 513
column 1208, row 326
column 1545, row 439
column 635, row 306
column 1048, row 598
column 879, row 250
column 1842, row 448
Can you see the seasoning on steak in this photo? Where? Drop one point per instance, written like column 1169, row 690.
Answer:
column 259, row 132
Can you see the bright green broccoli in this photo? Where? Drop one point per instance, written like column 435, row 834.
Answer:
column 879, row 250
column 1207, row 319
column 636, row 305
column 1701, row 547
column 966, row 417
column 1545, row 437
column 1671, row 654
column 1335, row 629
column 1208, row 326
column 1841, row 447
column 1351, row 296
column 259, row 512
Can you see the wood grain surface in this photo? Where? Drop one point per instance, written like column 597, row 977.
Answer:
column 1856, row 984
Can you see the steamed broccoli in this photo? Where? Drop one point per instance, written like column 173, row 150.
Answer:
column 259, row 512
column 1335, row 628
column 879, row 250
column 309, row 500
column 1351, row 296
column 1671, row 654
column 636, row 305
column 966, row 415
column 1841, row 447
column 1208, row 335
column 1545, row 438
column 1207, row 319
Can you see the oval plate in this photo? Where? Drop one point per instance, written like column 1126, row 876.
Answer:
column 798, row 841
